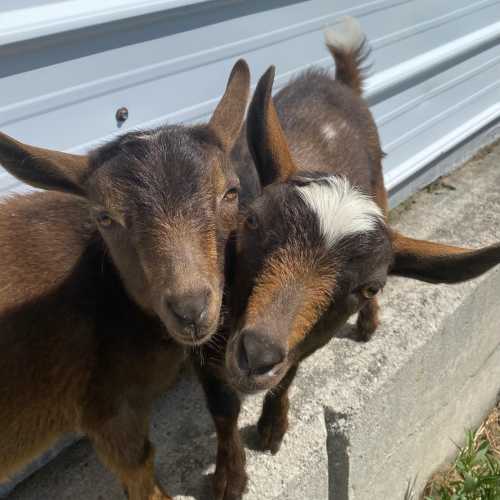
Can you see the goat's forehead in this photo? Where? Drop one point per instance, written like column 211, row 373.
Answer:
column 317, row 225
column 157, row 182
column 130, row 183
column 178, row 159
column 322, row 210
column 341, row 210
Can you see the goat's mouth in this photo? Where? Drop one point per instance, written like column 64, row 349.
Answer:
column 246, row 380
column 190, row 340
column 192, row 334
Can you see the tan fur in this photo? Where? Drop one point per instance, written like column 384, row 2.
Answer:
column 303, row 306
column 422, row 248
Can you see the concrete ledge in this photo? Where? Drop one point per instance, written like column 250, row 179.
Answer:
column 365, row 419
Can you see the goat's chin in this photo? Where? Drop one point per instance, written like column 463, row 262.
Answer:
column 252, row 384
column 189, row 339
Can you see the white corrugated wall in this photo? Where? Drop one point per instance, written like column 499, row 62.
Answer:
column 66, row 66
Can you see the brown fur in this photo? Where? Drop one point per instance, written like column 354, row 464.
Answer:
column 348, row 65
column 64, row 368
column 229, row 481
column 87, row 276
column 279, row 276
column 268, row 152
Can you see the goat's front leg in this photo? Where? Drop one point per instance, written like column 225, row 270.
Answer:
column 122, row 444
column 230, row 478
column 273, row 421
column 367, row 321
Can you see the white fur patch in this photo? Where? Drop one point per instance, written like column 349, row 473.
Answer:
column 342, row 210
column 348, row 35
column 329, row 132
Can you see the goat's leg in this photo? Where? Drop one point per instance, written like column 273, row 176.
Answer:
column 368, row 320
column 123, row 446
column 230, row 478
column 273, row 421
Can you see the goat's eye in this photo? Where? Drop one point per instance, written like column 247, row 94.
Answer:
column 251, row 221
column 104, row 219
column 231, row 194
column 370, row 291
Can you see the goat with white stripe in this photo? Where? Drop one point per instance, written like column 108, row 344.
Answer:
column 315, row 246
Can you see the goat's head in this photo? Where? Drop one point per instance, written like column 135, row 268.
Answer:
column 312, row 250
column 165, row 202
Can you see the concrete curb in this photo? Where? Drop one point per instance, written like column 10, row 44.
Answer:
column 365, row 418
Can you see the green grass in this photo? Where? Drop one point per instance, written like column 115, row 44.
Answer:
column 475, row 474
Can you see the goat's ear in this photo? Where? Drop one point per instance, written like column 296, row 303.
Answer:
column 266, row 139
column 43, row 168
column 436, row 263
column 229, row 114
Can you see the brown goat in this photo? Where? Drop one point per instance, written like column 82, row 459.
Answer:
column 314, row 247
column 103, row 281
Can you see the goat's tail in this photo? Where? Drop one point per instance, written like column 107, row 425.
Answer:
column 349, row 48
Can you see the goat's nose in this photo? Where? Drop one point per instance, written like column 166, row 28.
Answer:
column 259, row 354
column 189, row 309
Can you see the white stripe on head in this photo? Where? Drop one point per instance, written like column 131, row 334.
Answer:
column 342, row 210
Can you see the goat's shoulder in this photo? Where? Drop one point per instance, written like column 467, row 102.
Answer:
column 43, row 236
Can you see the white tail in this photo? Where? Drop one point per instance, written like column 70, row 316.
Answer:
column 347, row 36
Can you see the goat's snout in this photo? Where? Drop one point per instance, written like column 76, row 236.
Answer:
column 189, row 311
column 258, row 355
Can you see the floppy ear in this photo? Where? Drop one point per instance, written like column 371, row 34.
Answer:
column 229, row 114
column 43, row 168
column 436, row 263
column 266, row 139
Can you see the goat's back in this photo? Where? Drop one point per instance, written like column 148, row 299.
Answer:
column 330, row 129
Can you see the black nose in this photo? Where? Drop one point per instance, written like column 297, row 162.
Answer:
column 190, row 309
column 258, row 353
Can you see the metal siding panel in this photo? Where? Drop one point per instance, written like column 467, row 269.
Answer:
column 62, row 91
column 425, row 106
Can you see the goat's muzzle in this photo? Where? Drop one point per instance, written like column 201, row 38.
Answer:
column 254, row 361
column 191, row 318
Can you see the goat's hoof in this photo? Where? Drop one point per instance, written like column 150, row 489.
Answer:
column 271, row 434
column 230, row 480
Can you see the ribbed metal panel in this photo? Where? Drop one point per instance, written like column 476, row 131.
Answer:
column 66, row 66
